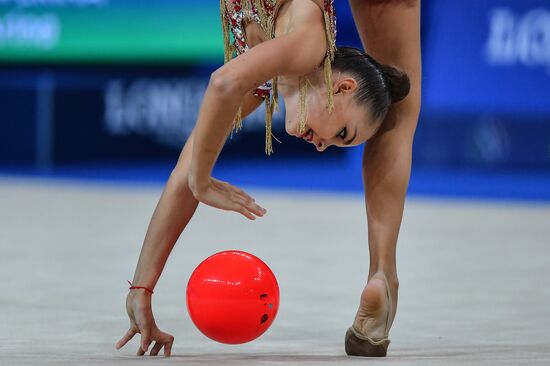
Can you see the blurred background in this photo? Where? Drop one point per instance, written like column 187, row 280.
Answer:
column 110, row 90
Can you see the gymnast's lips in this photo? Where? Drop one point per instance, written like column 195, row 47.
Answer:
column 308, row 135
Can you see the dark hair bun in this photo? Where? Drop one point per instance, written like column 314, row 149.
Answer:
column 398, row 82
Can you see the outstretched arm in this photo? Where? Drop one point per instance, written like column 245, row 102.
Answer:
column 390, row 32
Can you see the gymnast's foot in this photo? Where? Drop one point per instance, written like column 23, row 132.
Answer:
column 368, row 336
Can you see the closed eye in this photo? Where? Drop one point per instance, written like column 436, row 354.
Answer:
column 352, row 138
column 343, row 133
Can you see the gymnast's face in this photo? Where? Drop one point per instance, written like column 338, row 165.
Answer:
column 349, row 124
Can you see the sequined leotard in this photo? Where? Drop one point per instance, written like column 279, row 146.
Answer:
column 236, row 14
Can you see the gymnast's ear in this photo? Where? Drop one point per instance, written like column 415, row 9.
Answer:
column 344, row 85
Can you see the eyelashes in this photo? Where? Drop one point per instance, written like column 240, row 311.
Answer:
column 343, row 133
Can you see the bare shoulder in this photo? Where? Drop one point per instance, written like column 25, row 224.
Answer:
column 299, row 14
column 293, row 53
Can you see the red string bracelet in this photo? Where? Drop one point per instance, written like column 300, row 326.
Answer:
column 145, row 288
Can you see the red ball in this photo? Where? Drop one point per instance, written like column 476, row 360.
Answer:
column 232, row 297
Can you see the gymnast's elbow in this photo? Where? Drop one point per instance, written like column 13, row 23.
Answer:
column 225, row 83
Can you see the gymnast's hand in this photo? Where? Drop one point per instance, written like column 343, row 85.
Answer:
column 138, row 306
column 225, row 196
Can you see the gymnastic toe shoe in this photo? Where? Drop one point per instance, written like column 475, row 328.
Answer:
column 368, row 336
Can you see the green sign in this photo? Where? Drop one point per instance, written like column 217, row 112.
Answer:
column 110, row 31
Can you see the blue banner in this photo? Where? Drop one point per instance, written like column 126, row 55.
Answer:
column 487, row 56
